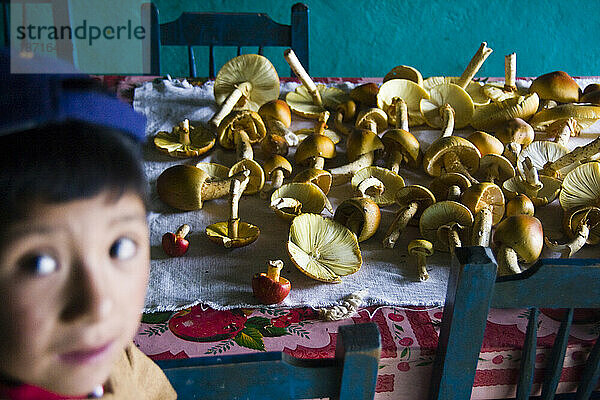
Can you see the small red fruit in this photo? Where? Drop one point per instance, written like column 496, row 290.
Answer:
column 270, row 288
column 175, row 244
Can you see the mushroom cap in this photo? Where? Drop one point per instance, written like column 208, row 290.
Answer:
column 219, row 233
column 311, row 197
column 365, row 94
column 520, row 204
column 549, row 191
column 202, row 140
column 323, row 249
column 496, row 92
column 415, row 194
column 541, row 152
column 348, row 110
column 306, row 132
column 485, row 195
column 421, row 246
column 515, row 130
column 252, row 68
column 474, row 89
column 523, row 234
column 573, row 217
column 399, row 140
column 301, row 102
column 273, row 143
column 391, row 181
column 585, row 115
column 314, row 146
column 444, row 213
column 440, row 185
column 486, row 143
column 257, row 175
column 373, row 114
column 433, row 159
column 361, row 141
column 320, row 177
column 592, row 97
column 246, row 120
column 276, row 109
column 404, row 72
column 505, row 168
column 488, row 117
column 216, row 172
column 180, row 186
column 581, row 187
column 557, row 86
column 277, row 162
column 592, row 87
column 362, row 209
column 407, row 90
column 456, row 97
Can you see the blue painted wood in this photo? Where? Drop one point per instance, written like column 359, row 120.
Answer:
column 557, row 357
column 528, row 356
column 473, row 289
column 230, row 29
column 276, row 375
column 463, row 324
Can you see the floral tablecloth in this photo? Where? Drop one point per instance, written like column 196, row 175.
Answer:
column 409, row 340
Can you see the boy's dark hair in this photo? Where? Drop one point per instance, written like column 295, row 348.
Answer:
column 65, row 161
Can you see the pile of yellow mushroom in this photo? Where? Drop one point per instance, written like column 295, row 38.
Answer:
column 481, row 189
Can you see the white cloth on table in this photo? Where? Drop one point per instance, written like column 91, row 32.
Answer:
column 221, row 278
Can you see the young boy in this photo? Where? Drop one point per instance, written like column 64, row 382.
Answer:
column 74, row 249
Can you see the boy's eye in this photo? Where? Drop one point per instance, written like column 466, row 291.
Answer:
column 123, row 249
column 39, row 264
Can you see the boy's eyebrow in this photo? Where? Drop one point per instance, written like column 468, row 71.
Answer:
column 28, row 229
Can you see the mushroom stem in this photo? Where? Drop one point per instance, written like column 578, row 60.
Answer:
column 453, row 240
column 563, row 130
column 482, row 228
column 401, row 113
column 317, row 162
column 421, row 264
column 277, row 177
column 448, row 117
column 395, row 160
column 321, row 123
column 510, row 72
column 531, row 179
column 243, row 90
column 355, row 222
column 301, row 73
column 452, row 164
column 184, row 132
column 277, row 127
column 511, row 152
column 492, row 173
column 237, row 188
column 454, row 193
column 274, row 269
column 474, row 65
column 343, row 173
column 568, row 249
column 220, row 188
column 243, row 148
column 579, row 153
column 182, row 231
column 371, row 187
column 508, row 261
column 338, row 124
column 400, row 223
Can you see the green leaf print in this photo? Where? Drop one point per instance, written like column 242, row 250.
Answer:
column 250, row 338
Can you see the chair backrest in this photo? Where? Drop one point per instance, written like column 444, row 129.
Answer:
column 473, row 289
column 352, row 374
column 226, row 29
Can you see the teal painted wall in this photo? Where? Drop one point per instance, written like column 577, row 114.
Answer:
column 367, row 38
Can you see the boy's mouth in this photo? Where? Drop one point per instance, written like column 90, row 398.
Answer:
column 87, row 355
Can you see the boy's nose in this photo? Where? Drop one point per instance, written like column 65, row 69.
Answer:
column 88, row 294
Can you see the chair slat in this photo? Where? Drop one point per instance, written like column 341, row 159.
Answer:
column 239, row 51
column 260, row 50
column 557, row 357
column 211, row 62
column 527, row 366
column 192, row 62
column 591, row 373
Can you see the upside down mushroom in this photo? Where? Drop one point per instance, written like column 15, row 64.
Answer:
column 443, row 223
column 578, row 224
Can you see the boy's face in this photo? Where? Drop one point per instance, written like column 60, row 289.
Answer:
column 73, row 277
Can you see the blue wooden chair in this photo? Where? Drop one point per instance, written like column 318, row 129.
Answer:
column 352, row 374
column 473, row 289
column 225, row 29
